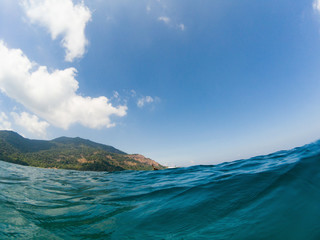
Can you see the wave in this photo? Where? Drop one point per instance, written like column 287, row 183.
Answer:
column 266, row 197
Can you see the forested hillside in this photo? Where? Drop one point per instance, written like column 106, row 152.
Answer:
column 69, row 153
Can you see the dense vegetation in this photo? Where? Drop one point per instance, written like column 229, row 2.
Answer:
column 69, row 153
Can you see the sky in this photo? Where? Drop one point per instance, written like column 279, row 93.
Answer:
column 182, row 82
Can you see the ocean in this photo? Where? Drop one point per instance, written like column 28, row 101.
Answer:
column 276, row 196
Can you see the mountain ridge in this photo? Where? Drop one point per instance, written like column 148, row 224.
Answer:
column 69, row 153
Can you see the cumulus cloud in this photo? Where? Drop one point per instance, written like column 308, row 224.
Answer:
column 4, row 123
column 52, row 95
column 142, row 101
column 31, row 123
column 164, row 19
column 61, row 17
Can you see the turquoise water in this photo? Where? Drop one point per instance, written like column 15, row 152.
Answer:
column 268, row 197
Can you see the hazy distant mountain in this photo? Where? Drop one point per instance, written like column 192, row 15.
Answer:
column 69, row 153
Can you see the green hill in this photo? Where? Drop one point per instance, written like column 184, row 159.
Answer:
column 69, row 153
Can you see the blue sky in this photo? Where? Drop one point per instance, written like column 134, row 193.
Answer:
column 181, row 82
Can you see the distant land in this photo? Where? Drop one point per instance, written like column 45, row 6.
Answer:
column 69, row 153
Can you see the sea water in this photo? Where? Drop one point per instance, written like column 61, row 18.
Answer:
column 267, row 197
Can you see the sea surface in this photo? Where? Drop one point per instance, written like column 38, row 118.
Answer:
column 267, row 197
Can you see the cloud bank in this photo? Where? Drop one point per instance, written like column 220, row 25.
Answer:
column 52, row 95
column 61, row 17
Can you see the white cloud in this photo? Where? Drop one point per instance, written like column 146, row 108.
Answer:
column 181, row 26
column 61, row 17
column 116, row 94
column 164, row 19
column 133, row 93
column 52, row 95
column 316, row 5
column 31, row 123
column 4, row 123
column 170, row 23
column 142, row 101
